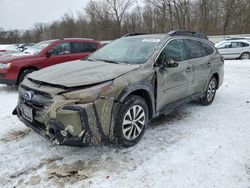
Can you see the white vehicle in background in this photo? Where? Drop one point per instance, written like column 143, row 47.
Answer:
column 8, row 49
column 234, row 49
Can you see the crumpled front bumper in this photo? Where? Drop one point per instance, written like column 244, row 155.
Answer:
column 74, row 125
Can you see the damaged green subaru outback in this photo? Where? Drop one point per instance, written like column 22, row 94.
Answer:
column 113, row 94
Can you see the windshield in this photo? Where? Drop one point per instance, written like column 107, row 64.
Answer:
column 37, row 48
column 130, row 50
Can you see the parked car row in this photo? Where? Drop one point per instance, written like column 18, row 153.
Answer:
column 112, row 95
column 234, row 48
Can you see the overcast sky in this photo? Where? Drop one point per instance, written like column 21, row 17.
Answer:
column 23, row 14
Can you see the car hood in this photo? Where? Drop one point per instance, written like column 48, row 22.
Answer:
column 14, row 57
column 81, row 73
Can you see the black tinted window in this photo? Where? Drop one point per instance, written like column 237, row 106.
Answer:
column 82, row 47
column 244, row 44
column 174, row 50
column 194, row 48
column 61, row 49
column 91, row 46
column 207, row 48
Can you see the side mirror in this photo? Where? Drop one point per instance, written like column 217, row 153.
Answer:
column 170, row 63
column 49, row 53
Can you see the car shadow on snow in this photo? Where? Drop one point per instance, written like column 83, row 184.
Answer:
column 178, row 114
column 8, row 89
column 172, row 117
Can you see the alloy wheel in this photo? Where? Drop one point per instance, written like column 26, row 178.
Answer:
column 245, row 56
column 211, row 90
column 133, row 122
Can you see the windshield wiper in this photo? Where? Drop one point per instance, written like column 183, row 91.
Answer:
column 108, row 61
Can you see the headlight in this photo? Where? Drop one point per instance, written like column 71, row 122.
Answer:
column 5, row 66
column 89, row 94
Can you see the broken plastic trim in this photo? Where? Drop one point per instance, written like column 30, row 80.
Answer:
column 67, row 89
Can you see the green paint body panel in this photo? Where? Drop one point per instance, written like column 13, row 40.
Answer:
column 90, row 119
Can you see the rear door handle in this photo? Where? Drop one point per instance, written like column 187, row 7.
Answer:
column 209, row 64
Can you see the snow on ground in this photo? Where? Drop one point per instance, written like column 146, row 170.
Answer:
column 195, row 146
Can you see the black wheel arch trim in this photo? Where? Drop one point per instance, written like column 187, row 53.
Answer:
column 143, row 86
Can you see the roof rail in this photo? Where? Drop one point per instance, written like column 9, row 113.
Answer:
column 134, row 34
column 237, row 38
column 77, row 38
column 187, row 33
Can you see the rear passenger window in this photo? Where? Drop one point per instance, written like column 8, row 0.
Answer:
column 83, row 47
column 236, row 45
column 239, row 44
column 207, row 48
column 194, row 49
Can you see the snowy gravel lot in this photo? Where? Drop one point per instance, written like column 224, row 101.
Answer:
column 194, row 146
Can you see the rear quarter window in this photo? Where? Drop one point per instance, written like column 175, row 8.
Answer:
column 207, row 48
column 245, row 44
column 194, row 49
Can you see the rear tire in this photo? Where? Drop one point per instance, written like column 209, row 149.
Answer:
column 245, row 55
column 210, row 92
column 131, row 121
column 24, row 74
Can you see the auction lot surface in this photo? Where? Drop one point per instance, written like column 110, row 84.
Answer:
column 194, row 146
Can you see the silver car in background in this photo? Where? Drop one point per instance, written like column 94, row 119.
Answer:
column 234, row 49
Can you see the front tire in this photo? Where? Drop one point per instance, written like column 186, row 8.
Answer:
column 131, row 121
column 210, row 92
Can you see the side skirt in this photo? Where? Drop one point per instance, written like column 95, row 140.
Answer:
column 172, row 106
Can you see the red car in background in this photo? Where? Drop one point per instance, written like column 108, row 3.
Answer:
column 14, row 68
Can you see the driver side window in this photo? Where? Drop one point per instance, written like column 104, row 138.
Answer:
column 61, row 49
column 174, row 50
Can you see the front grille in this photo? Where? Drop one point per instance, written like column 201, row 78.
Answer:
column 39, row 102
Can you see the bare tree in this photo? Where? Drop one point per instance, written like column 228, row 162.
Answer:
column 110, row 19
column 117, row 10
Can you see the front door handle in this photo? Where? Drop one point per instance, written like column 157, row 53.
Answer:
column 189, row 69
column 209, row 64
